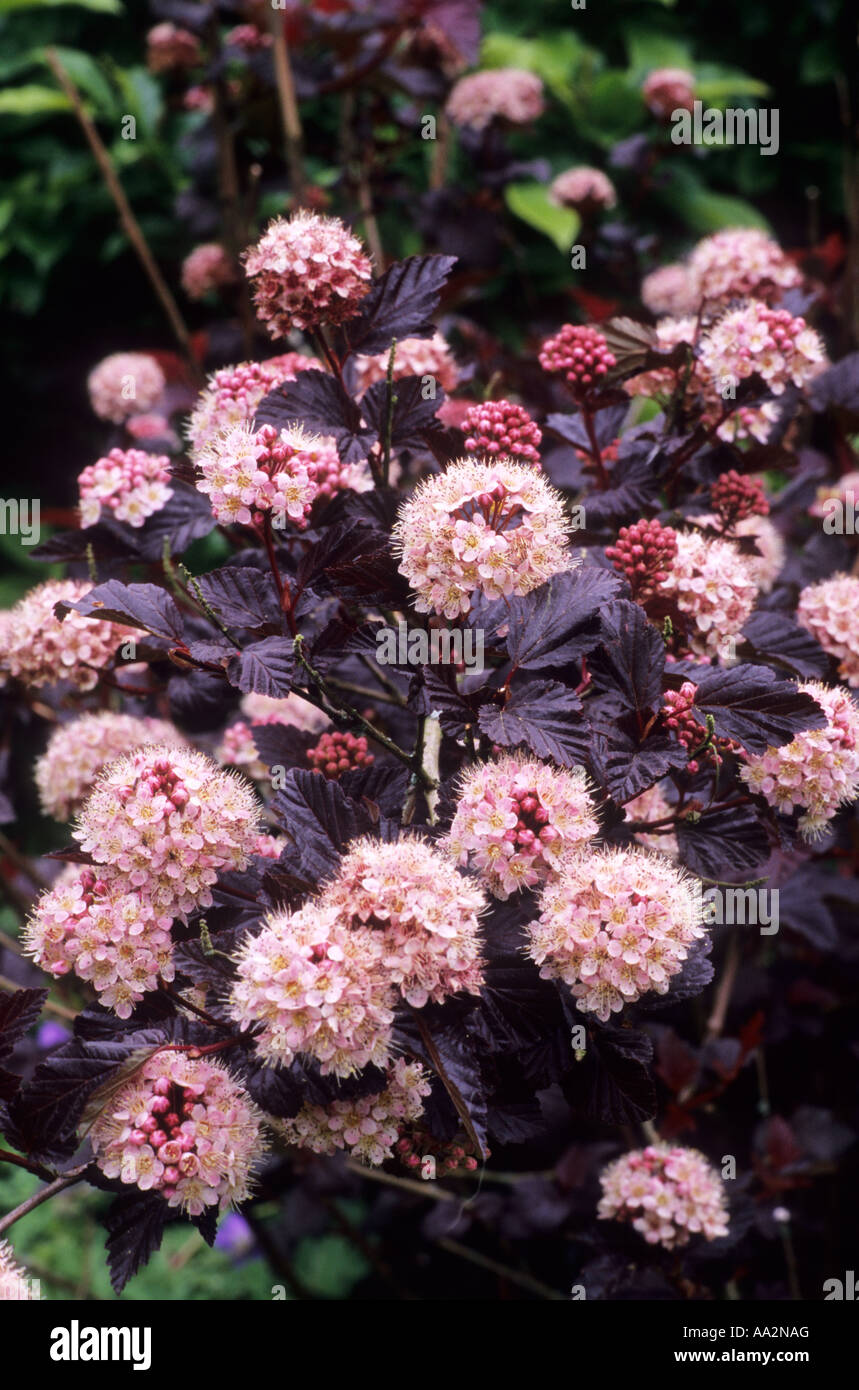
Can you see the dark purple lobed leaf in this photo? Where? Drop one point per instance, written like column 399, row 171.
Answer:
column 400, row 304
column 265, row 667
column 135, row 605
column 242, row 597
column 135, row 1224
column 544, row 715
column 754, row 706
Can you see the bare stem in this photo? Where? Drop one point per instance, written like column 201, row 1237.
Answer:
column 293, row 134
column 44, row 1193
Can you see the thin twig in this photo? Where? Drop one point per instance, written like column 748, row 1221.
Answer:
column 49, row 1006
column 58, row 1185
column 293, row 134
column 721, row 1003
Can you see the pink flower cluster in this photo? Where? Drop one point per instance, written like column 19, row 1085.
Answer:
column 38, row 649
column 771, row 343
column 367, row 1127
column 668, row 290
column 127, row 482
column 502, row 428
column 456, row 1155
column 424, row 357
column 644, row 552
column 766, row 565
column 307, row 271
column 495, row 528
column 581, row 353
column 653, row 805
column 207, row 267
column 617, row 924
column 819, row 771
column 15, row 1284
column 248, row 37
column 508, row 94
column 184, row 1128
column 232, row 395
column 667, row 1193
column 247, row 472
column 712, row 585
column 583, row 188
column 77, row 752
column 168, row 820
column 168, row 46
column 237, row 747
column 424, row 912
column 91, row 923
column 829, row 610
column 666, row 90
column 337, row 752
column 738, row 262
column 126, row 383
column 517, row 819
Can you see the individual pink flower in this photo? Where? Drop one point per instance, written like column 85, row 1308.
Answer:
column 666, row 90
column 232, row 395
column 182, row 1127
column 169, row 820
column 818, row 772
column 667, row 1193
column 77, row 752
column 424, row 357
column 582, row 354
column 39, row 649
column 739, row 262
column 126, row 383
column 367, row 1127
column 508, row 94
column 425, row 914
column 270, row 846
column 129, row 483
column 15, row 1284
column 496, row 428
column 669, row 291
column 757, row 340
column 829, row 610
column 653, row 805
column 517, row 819
column 337, row 752
column 617, row 924
column 307, row 271
column 246, row 473
column 492, row 528
column 169, row 47
column 713, row 586
column 319, row 988
column 584, row 189
column 207, row 267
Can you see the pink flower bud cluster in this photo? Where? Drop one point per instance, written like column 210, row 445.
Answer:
column 126, row 383
column 666, row 90
column 127, row 482
column 667, row 1193
column 617, row 924
column 495, row 528
column 770, row 343
column 38, row 649
column 583, row 188
column 734, row 497
column 457, row 1155
column 424, row 357
column 508, row 94
column 819, row 771
column 184, row 1128
column 207, row 267
column 337, row 752
column 168, row 47
column 232, row 395
column 679, row 715
column 502, row 428
column 582, row 354
column 248, row 37
column 76, row 753
column 237, row 747
column 714, row 588
column 644, row 552
column 15, row 1284
column 367, row 1127
column 738, row 262
column 517, row 819
column 92, row 923
column 653, row 805
column 829, row 610
column 669, row 291
column 247, row 472
column 168, row 820
column 307, row 271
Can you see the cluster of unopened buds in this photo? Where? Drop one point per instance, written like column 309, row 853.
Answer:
column 338, row 752
column 608, row 454
column 734, row 498
column 502, row 428
column 644, row 552
column 677, row 715
column 667, row 1193
column 582, row 354
column 130, row 483
column 168, row 47
column 448, row 1157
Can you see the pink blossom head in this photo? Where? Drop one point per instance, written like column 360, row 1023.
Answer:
column 756, row 340
column 492, row 528
column 829, row 610
column 669, row 291
column 168, row 47
column 232, row 395
column 319, row 988
column 517, row 819
column 425, row 914
column 207, row 267
column 200, row 1151
column 585, row 189
column 248, row 472
column 424, row 357
column 368, row 1127
column 126, row 383
column 39, row 649
column 15, row 1283
column 617, row 924
column 307, row 271
column 581, row 354
column 169, row 820
column 77, row 752
column 128, row 484
column 767, row 563
column 667, row 1193
column 666, row 90
column 714, row 587
column 738, row 262
column 496, row 429
column 497, row 94
column 818, row 772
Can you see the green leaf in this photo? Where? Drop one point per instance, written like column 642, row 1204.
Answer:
column 142, row 97
column 704, row 211
column 531, row 202
column 613, row 108
column 32, row 100
column 103, row 6
column 86, row 75
column 647, row 50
